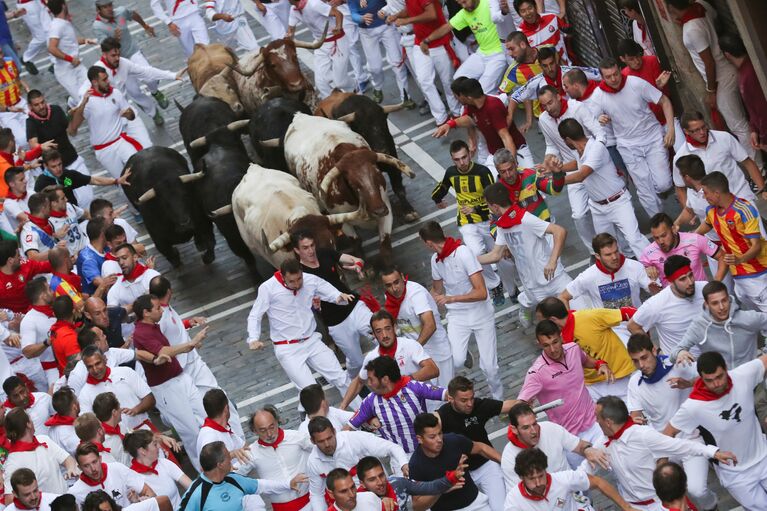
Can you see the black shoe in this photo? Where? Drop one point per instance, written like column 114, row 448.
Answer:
column 469, row 362
column 497, row 294
column 423, row 109
column 30, row 67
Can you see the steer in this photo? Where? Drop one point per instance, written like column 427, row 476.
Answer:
column 268, row 126
column 210, row 72
column 340, row 169
column 199, row 118
column 369, row 119
column 162, row 190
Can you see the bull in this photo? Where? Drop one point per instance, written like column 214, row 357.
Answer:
column 369, row 119
column 162, row 190
column 209, row 69
column 269, row 205
column 339, row 168
column 268, row 126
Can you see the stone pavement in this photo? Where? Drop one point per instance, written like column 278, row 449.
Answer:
column 224, row 290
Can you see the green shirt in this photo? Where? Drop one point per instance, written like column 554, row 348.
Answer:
column 481, row 25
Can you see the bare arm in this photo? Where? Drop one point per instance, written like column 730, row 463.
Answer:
column 608, row 491
column 428, row 327
column 635, row 328
column 668, row 114
column 78, row 116
column 508, row 142
column 565, row 296
column 427, row 371
column 353, row 391
column 477, row 294
column 486, row 451
column 493, row 256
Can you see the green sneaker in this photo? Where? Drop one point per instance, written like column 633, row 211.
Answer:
column 378, row 96
column 408, row 104
column 158, row 119
column 161, row 99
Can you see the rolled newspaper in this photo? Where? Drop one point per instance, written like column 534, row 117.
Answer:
column 548, row 406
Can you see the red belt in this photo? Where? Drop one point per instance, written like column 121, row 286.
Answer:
column 611, row 199
column 289, row 341
column 643, row 502
column 49, row 365
column 16, row 359
column 335, row 37
column 132, row 141
column 292, row 505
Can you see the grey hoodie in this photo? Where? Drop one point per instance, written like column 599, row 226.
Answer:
column 735, row 338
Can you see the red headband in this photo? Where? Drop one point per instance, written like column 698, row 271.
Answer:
column 684, row 270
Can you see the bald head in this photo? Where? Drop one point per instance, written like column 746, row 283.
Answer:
column 96, row 312
column 60, row 260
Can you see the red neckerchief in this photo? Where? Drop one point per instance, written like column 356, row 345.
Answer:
column 629, row 423
column 38, row 117
column 510, row 217
column 108, row 256
column 44, row 309
column 9, row 405
column 527, row 27
column 390, row 493
column 13, row 196
column 450, row 246
column 277, row 442
column 610, row 90
column 694, row 142
column 278, row 276
column 643, row 29
column 59, row 420
column 514, row 439
column 92, row 482
column 73, row 280
column 701, row 393
column 210, row 423
column 19, row 505
column 568, row 331
column 59, row 214
column 513, row 189
column 21, row 446
column 112, row 430
column 93, row 381
column 526, row 494
column 562, row 109
column 4, row 442
column 95, row 92
column 397, row 387
column 106, row 64
column 388, row 352
column 693, row 12
column 392, row 303
column 601, row 267
column 590, row 88
column 101, row 448
column 8, row 157
column 689, row 506
column 557, row 82
column 42, row 223
column 143, row 469
column 137, row 271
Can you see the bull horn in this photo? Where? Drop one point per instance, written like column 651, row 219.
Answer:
column 278, row 244
column 247, row 72
column 348, row 118
column 399, row 164
column 147, row 196
column 237, row 125
column 198, row 143
column 273, row 91
column 341, row 218
column 225, row 210
column 272, row 142
column 393, row 108
column 189, row 178
column 316, row 44
column 329, row 178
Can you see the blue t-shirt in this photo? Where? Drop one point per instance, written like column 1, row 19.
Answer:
column 5, row 32
column 373, row 7
column 224, row 496
column 89, row 264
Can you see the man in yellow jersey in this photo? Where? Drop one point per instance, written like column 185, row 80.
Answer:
column 524, row 68
column 592, row 330
column 13, row 106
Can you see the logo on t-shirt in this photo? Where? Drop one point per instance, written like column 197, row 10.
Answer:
column 616, row 294
column 732, row 414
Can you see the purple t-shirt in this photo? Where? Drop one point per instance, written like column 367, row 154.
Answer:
column 691, row 245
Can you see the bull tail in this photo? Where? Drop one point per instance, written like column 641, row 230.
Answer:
column 178, row 105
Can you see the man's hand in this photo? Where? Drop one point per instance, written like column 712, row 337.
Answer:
column 424, row 45
column 128, row 114
column 441, row 300
column 255, row 345
column 242, row 455
column 524, row 127
column 597, row 457
column 368, row 18
column 132, row 412
column 181, row 73
column 731, row 259
column 467, row 210
column 75, row 61
column 174, row 30
column 151, row 262
column 123, row 180
column 161, row 359
column 225, row 17
column 550, row 269
column 49, row 144
column 605, row 371
column 388, row 504
column 61, row 244
column 61, row 232
column 441, row 131
column 344, row 297
column 652, row 272
column 603, row 119
column 169, row 442
column 679, row 383
column 13, row 340
column 669, row 137
column 149, row 30
column 298, row 480
column 662, row 79
column 726, row 457
column 72, row 473
column 684, row 357
column 197, row 340
column 260, row 6
column 711, row 100
column 382, row 16
column 442, row 204
column 197, row 321
column 406, row 470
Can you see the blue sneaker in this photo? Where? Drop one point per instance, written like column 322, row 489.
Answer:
column 362, row 87
column 497, row 294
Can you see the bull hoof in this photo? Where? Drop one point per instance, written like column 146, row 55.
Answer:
column 209, row 256
column 175, row 258
column 411, row 217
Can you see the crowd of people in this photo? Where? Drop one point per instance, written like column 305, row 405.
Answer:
column 650, row 370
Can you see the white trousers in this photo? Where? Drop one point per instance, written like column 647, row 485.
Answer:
column 489, row 480
column 71, row 78
column 427, row 67
column 748, row 487
column 180, row 403
column 478, row 320
column 193, row 31
column 347, row 334
column 140, row 59
column 619, row 216
column 114, row 156
column 696, row 468
column 446, row 370
column 618, row 388
column 372, row 39
column 579, row 205
column 17, row 122
column 137, row 129
column 532, row 295
column 730, row 105
column 37, row 20
column 241, row 38
column 485, row 68
column 84, row 194
column 752, row 292
column 479, row 504
column 275, row 21
column 31, row 368
column 352, row 37
column 592, row 435
column 479, row 240
column 331, row 67
column 136, row 94
column 298, row 361
column 648, row 166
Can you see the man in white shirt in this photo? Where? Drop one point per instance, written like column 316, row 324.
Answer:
column 64, row 218
column 34, row 328
column 218, row 424
column 634, row 449
column 286, row 299
column 410, row 356
column 608, row 198
column 26, row 493
column 36, row 404
column 134, row 281
column 162, row 475
column 655, row 393
column 723, row 403
column 36, row 237
column 184, row 22
column 61, row 424
column 458, row 284
column 672, row 310
column 344, row 449
column 314, row 403
column 89, row 428
column 343, row 489
column 417, row 317
column 623, row 102
column 64, row 45
column 231, row 24
column 15, row 207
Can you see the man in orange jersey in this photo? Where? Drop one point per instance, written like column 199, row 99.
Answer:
column 737, row 223
column 13, row 106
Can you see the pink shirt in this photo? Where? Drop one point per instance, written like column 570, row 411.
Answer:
column 691, row 245
column 548, row 380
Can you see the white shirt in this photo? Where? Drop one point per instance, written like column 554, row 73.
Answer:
column 64, row 436
column 103, row 114
column 670, row 315
column 34, row 329
column 144, row 505
column 115, row 443
column 632, row 120
column 723, row 152
column 555, row 442
column 75, row 238
column 164, row 482
column 127, row 70
column 366, row 501
column 642, row 40
column 45, row 503
column 118, row 483
column 130, row 232
column 172, row 327
column 40, row 411
column 559, row 494
column 314, row 15
column 697, row 202
column 114, row 357
column 351, row 446
column 699, row 34
column 658, row 401
column 282, row 463
column 124, row 293
column 409, row 355
column 169, row 11
column 126, row 386
column 550, row 127
column 231, row 7
column 633, row 458
column 454, row 271
column 620, row 289
column 290, row 313
column 44, row 462
column 731, row 418
column 33, row 237
column 336, row 416
column 418, row 300
column 64, row 31
column 12, row 208
column 208, row 435
column 604, row 182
